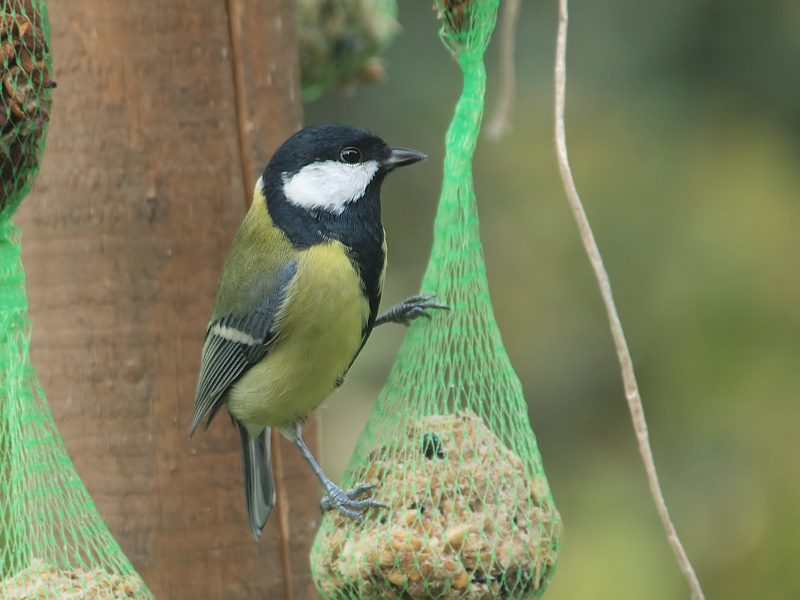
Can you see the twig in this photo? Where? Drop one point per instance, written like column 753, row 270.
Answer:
column 623, row 354
column 500, row 123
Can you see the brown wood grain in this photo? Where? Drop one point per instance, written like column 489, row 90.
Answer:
column 161, row 107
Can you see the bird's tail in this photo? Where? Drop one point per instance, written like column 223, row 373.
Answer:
column 259, row 486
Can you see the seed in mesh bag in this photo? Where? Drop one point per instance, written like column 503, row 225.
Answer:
column 465, row 521
column 339, row 41
column 24, row 99
column 41, row 580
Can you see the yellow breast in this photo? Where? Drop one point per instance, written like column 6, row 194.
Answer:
column 320, row 328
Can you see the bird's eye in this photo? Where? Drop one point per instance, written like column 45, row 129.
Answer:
column 350, row 155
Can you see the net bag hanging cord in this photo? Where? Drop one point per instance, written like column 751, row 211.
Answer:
column 448, row 444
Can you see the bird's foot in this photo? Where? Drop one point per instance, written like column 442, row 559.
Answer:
column 347, row 502
column 410, row 309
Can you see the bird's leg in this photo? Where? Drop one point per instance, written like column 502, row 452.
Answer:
column 346, row 502
column 410, row 309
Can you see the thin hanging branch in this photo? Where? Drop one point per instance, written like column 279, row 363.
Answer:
column 500, row 123
column 623, row 354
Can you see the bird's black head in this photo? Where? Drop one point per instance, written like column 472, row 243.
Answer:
column 327, row 168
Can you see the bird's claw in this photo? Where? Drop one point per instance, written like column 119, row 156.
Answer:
column 347, row 502
column 411, row 308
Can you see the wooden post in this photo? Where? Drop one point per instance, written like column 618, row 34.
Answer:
column 165, row 112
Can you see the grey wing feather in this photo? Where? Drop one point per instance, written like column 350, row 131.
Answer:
column 234, row 343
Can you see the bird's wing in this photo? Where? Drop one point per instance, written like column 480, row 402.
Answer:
column 234, row 343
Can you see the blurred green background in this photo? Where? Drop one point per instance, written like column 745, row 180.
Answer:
column 683, row 125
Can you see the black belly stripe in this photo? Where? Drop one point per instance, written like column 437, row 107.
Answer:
column 358, row 228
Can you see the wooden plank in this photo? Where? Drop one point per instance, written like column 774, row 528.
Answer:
column 264, row 70
column 125, row 232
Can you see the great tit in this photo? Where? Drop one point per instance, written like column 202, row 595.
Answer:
column 297, row 299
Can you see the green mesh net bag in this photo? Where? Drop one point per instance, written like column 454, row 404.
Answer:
column 340, row 41
column 448, row 445
column 53, row 543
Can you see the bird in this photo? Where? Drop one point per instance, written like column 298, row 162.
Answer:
column 296, row 300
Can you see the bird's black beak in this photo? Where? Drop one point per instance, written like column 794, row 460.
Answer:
column 402, row 156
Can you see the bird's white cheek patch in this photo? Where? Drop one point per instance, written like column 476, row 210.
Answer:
column 328, row 185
